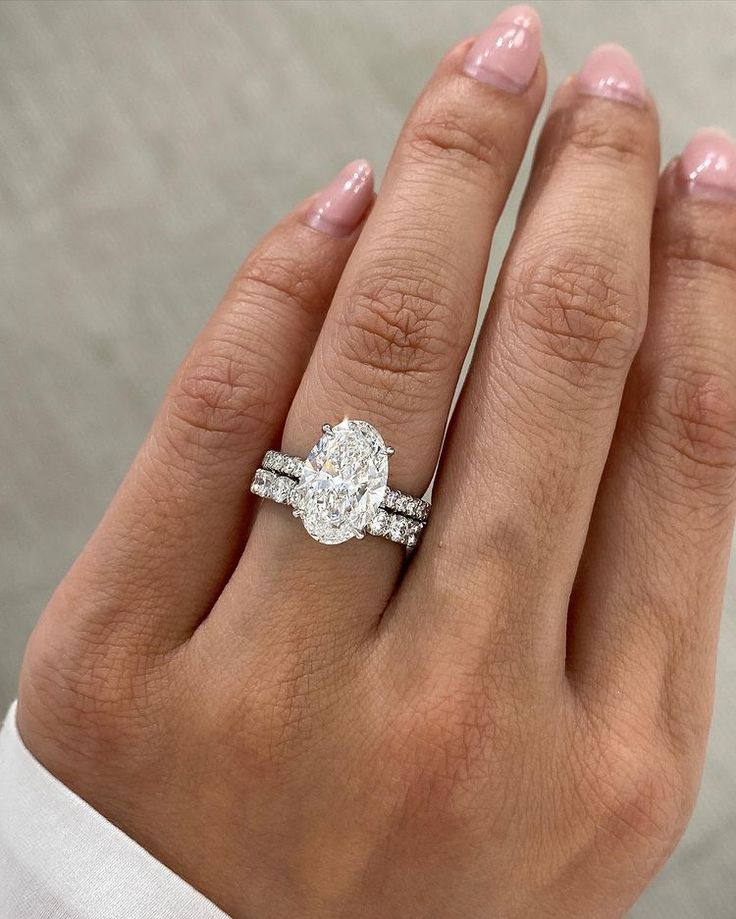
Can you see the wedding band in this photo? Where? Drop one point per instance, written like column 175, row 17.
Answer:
column 340, row 491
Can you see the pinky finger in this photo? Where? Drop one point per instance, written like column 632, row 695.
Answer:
column 646, row 612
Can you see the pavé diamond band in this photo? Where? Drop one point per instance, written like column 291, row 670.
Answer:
column 340, row 491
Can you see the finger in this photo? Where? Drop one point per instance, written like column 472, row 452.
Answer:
column 649, row 594
column 175, row 529
column 404, row 313
column 532, row 430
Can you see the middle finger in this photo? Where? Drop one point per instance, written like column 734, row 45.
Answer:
column 525, row 455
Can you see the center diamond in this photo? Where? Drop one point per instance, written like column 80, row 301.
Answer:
column 343, row 482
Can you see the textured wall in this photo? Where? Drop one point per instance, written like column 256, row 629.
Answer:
column 143, row 149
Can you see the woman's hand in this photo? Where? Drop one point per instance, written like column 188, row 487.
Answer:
column 513, row 723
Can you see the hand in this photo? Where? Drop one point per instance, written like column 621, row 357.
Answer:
column 511, row 724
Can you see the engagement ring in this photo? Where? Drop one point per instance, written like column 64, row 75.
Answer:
column 340, row 490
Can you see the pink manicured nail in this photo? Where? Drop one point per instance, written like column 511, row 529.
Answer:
column 507, row 53
column 708, row 165
column 610, row 72
column 341, row 206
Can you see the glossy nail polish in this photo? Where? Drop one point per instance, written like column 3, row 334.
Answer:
column 611, row 72
column 708, row 165
column 507, row 53
column 339, row 209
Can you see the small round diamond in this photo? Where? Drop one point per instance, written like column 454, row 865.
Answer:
column 281, row 489
column 398, row 528
column 379, row 525
column 262, row 483
column 271, row 460
column 412, row 536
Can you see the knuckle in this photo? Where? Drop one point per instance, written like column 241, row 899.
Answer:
column 397, row 330
column 276, row 279
column 692, row 415
column 273, row 723
column 638, row 793
column 576, row 312
column 440, row 749
column 616, row 141
column 221, row 392
column 226, row 389
column 693, row 253
column 457, row 139
column 647, row 809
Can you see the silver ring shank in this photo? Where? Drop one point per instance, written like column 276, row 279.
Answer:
column 400, row 518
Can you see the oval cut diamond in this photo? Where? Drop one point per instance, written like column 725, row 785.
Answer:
column 343, row 482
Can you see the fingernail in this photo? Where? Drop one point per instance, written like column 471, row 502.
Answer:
column 611, row 72
column 708, row 165
column 342, row 205
column 507, row 53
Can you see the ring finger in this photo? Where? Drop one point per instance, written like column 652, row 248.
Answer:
column 396, row 335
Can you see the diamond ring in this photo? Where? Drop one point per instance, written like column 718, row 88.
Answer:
column 340, row 490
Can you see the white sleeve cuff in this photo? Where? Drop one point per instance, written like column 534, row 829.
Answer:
column 60, row 859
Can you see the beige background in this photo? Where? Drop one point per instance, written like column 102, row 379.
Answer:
column 144, row 146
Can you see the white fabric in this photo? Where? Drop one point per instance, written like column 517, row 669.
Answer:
column 60, row 859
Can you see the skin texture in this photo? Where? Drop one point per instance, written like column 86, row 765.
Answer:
column 512, row 724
